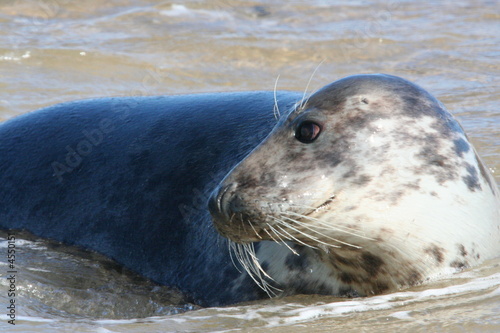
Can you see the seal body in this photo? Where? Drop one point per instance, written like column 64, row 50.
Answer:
column 366, row 186
column 130, row 178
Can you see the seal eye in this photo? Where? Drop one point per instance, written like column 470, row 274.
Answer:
column 307, row 132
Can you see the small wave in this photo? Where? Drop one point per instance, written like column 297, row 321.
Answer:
column 183, row 11
column 300, row 314
column 34, row 245
column 16, row 58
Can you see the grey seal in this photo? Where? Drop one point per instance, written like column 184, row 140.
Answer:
column 367, row 185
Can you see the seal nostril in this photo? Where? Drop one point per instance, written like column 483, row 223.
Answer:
column 219, row 202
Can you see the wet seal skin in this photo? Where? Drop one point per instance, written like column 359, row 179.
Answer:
column 366, row 186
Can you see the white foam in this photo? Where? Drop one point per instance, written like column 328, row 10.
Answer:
column 38, row 269
column 401, row 315
column 298, row 314
column 35, row 319
column 102, row 330
column 12, row 57
column 117, row 321
column 18, row 242
column 384, row 302
column 295, row 313
column 183, row 11
column 177, row 10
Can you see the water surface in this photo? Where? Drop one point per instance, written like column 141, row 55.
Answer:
column 59, row 50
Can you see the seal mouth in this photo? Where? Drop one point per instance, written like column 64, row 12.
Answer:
column 321, row 207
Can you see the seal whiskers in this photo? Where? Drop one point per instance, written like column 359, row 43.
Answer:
column 328, row 226
column 289, row 236
column 245, row 254
column 312, row 228
column 281, row 242
column 276, row 109
column 255, row 231
column 304, row 99
column 311, row 237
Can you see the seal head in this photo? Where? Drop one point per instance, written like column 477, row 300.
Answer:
column 372, row 182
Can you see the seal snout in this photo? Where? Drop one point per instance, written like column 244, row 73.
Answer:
column 233, row 215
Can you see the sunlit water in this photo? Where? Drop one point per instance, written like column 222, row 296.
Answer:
column 59, row 50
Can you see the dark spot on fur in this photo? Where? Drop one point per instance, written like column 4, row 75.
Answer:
column 459, row 264
column 437, row 160
column 371, row 263
column 358, row 119
column 461, row 146
column 245, row 179
column 436, row 252
column 364, row 100
column 349, row 174
column 443, row 166
column 434, row 194
column 414, row 278
column 343, row 261
column 394, row 197
column 333, row 157
column 362, row 180
column 380, row 287
column 415, row 185
column 463, row 251
column 348, row 278
column 472, row 179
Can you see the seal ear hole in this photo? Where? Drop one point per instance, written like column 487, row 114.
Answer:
column 307, row 131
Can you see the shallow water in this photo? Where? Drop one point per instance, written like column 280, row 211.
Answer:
column 59, row 50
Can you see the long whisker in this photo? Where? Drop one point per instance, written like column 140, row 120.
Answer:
column 293, row 238
column 272, row 237
column 287, row 225
column 304, row 100
column 276, row 109
column 256, row 233
column 245, row 254
column 282, row 241
column 326, row 226
column 231, row 246
column 306, row 226
column 250, row 250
